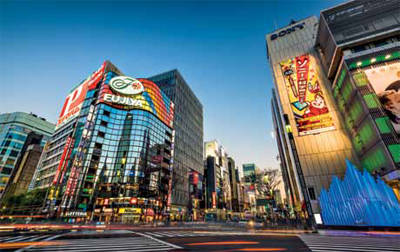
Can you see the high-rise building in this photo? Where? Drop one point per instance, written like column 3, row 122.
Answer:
column 249, row 178
column 25, row 167
column 218, row 192
column 18, row 131
column 358, row 43
column 313, row 141
column 188, row 126
column 233, row 181
column 116, row 163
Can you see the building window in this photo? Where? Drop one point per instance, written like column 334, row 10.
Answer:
column 311, row 193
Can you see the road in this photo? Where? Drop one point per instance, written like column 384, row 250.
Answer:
column 189, row 240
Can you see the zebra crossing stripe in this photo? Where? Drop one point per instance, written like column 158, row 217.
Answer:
column 32, row 246
column 318, row 243
column 155, row 234
column 20, row 239
column 151, row 237
column 5, row 239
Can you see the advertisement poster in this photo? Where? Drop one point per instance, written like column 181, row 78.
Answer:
column 308, row 101
column 73, row 102
column 386, row 82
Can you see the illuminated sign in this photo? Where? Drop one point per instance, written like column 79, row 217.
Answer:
column 75, row 214
column 122, row 100
column 307, row 100
column 287, row 31
column 126, row 85
column 130, row 210
column 386, row 83
column 214, row 200
column 73, row 102
column 61, row 164
column 72, row 105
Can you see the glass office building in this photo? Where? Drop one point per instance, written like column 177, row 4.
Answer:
column 14, row 130
column 117, row 163
column 188, row 126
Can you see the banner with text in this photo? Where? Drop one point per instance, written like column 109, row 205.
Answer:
column 305, row 95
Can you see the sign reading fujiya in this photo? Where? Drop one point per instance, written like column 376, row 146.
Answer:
column 308, row 103
column 126, row 86
column 287, row 31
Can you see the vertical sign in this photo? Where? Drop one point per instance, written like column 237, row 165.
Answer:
column 60, row 165
column 305, row 95
column 214, row 200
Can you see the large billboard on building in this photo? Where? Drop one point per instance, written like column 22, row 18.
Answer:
column 385, row 80
column 307, row 100
column 73, row 102
column 125, row 92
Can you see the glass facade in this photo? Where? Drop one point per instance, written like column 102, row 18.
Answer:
column 14, row 131
column 188, row 125
column 116, row 163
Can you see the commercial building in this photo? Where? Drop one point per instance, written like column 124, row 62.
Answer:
column 234, row 181
column 18, row 131
column 358, row 43
column 188, row 126
column 249, row 176
column 218, row 196
column 313, row 141
column 116, row 163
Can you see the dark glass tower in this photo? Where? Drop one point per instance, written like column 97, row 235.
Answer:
column 188, row 125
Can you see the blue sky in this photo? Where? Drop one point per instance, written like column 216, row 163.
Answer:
column 47, row 48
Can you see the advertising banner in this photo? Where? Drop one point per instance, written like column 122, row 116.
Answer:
column 386, row 82
column 73, row 102
column 308, row 102
column 214, row 200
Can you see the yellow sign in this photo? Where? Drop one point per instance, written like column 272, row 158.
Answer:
column 130, row 210
column 306, row 97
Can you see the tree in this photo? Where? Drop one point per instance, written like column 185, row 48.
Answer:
column 267, row 181
column 25, row 203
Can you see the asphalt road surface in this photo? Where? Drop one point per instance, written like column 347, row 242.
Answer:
column 187, row 240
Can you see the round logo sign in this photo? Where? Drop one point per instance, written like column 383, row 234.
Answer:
column 126, row 85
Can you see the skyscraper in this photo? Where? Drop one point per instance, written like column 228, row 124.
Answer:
column 18, row 130
column 188, row 126
column 116, row 161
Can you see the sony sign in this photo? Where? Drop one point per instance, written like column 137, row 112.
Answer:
column 287, row 31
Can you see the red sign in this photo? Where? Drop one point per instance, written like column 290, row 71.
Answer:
column 106, row 201
column 73, row 102
column 214, row 200
column 133, row 201
column 60, row 165
column 302, row 63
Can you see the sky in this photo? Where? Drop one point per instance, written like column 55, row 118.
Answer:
column 49, row 47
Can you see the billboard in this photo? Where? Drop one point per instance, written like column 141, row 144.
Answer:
column 386, row 82
column 305, row 95
column 125, row 92
column 73, row 102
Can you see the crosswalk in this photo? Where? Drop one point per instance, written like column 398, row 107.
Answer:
column 168, row 234
column 320, row 243
column 139, row 243
column 23, row 238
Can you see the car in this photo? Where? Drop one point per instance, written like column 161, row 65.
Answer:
column 256, row 223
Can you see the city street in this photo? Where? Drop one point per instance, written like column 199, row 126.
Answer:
column 191, row 240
